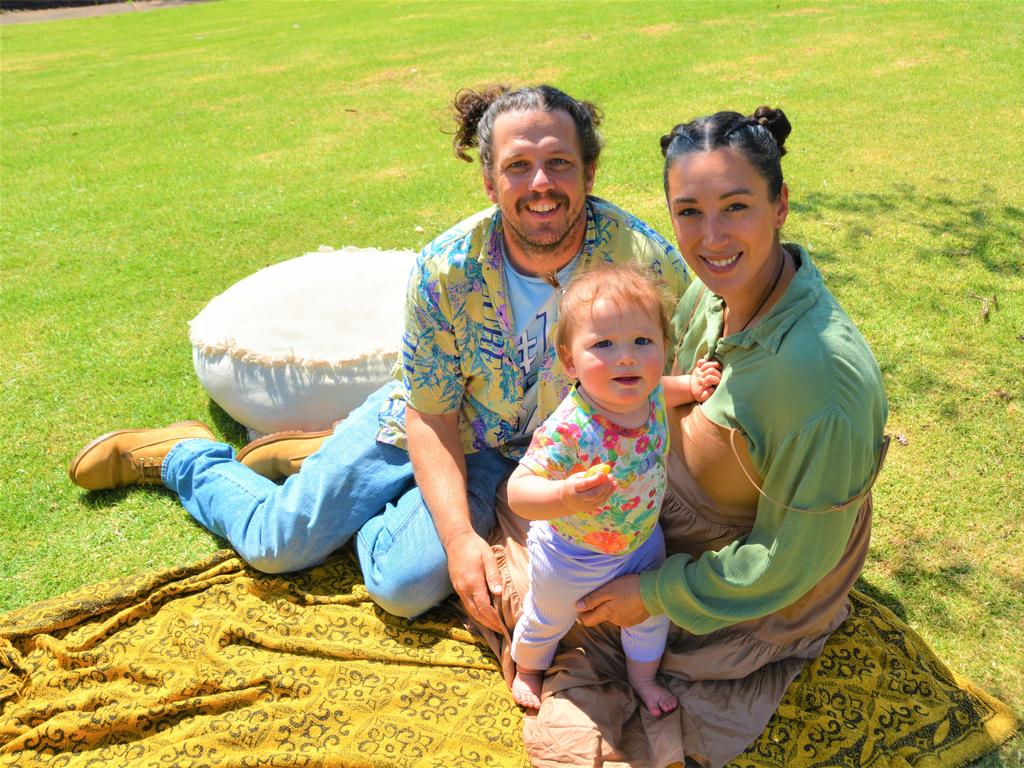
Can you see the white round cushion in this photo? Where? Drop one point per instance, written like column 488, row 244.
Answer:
column 299, row 344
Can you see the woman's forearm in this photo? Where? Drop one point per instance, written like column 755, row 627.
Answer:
column 748, row 579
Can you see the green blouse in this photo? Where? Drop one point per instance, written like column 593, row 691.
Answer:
column 804, row 390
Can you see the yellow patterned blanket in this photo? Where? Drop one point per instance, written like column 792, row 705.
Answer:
column 217, row 665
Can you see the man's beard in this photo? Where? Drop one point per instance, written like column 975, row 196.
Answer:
column 531, row 247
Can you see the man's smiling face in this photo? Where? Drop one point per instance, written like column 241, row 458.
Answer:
column 540, row 183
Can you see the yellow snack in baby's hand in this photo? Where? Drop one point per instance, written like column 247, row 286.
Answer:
column 598, row 469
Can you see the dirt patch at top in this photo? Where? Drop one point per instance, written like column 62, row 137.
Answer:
column 85, row 11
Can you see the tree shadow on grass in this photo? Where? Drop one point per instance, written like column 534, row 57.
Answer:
column 888, row 599
column 921, row 244
column 940, row 593
column 951, row 229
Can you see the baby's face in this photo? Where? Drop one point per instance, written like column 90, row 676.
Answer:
column 618, row 355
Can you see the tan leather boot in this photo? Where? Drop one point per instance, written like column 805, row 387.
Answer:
column 281, row 454
column 130, row 456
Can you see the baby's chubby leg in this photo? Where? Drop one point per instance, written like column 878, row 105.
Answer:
column 644, row 644
column 658, row 699
column 545, row 619
column 549, row 610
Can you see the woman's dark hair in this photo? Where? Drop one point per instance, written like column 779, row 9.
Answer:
column 761, row 138
column 476, row 111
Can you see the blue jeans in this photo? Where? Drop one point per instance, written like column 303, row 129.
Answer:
column 352, row 485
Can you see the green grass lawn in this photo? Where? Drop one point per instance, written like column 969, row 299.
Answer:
column 151, row 160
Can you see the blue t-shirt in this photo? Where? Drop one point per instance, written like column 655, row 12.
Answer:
column 534, row 303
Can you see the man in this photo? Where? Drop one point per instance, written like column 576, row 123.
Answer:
column 413, row 473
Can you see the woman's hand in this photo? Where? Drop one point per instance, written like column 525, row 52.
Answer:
column 618, row 601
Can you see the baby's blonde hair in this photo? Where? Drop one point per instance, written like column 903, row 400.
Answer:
column 627, row 286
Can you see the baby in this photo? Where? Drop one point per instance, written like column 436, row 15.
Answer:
column 593, row 477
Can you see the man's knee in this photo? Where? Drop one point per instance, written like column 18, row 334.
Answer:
column 411, row 593
column 274, row 563
column 282, row 551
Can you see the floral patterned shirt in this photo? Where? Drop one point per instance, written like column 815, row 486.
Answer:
column 575, row 438
column 458, row 350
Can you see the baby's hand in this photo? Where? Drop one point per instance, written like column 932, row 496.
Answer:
column 583, row 491
column 705, row 377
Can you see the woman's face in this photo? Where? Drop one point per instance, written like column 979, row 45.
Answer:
column 725, row 221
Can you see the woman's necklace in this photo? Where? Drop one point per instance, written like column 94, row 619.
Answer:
column 771, row 290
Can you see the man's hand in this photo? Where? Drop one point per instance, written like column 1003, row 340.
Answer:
column 618, row 601
column 475, row 576
column 440, row 469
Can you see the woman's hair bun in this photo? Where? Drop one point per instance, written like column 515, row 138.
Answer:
column 777, row 124
column 665, row 141
column 679, row 129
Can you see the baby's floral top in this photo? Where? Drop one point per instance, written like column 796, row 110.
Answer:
column 575, row 438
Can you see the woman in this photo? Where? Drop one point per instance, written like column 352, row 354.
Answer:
column 768, row 512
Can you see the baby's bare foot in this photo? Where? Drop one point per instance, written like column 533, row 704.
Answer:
column 658, row 699
column 526, row 687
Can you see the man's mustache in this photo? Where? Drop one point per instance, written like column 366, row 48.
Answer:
column 536, row 197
